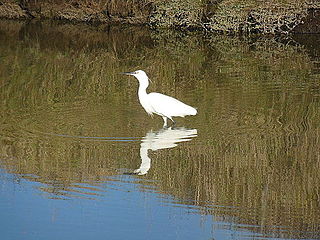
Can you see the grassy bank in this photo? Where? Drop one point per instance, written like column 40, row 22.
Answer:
column 227, row 16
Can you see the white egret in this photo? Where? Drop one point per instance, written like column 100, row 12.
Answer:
column 160, row 104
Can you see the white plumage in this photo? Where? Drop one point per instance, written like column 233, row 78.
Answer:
column 160, row 104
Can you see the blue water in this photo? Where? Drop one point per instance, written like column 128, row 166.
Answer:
column 26, row 213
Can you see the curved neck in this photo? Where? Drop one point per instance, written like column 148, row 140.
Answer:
column 143, row 85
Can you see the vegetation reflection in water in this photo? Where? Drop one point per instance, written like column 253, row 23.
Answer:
column 255, row 160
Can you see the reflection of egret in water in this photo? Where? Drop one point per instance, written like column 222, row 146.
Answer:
column 164, row 138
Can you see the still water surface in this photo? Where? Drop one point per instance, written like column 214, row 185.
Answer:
column 80, row 159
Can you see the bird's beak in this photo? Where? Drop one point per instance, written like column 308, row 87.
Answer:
column 128, row 73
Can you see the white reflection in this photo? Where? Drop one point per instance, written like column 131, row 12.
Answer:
column 164, row 138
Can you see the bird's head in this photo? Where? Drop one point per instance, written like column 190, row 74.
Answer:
column 140, row 75
column 136, row 73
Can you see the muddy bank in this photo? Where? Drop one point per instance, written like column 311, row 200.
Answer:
column 227, row 16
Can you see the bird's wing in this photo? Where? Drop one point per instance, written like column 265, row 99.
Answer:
column 169, row 106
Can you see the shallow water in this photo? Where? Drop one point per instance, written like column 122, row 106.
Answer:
column 81, row 159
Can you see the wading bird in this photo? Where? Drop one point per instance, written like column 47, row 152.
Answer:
column 160, row 104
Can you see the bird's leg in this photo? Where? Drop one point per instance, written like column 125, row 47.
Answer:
column 174, row 123
column 165, row 119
